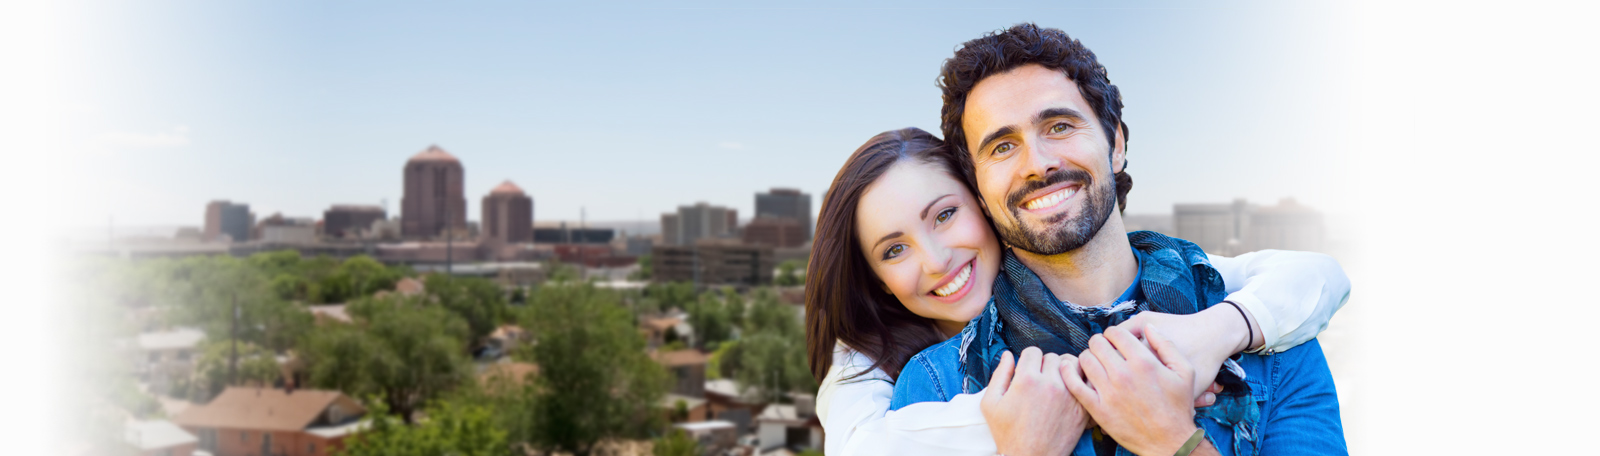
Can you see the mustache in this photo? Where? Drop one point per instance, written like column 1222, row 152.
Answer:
column 1014, row 200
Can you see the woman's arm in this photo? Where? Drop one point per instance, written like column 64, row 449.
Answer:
column 1290, row 295
column 1285, row 299
column 856, row 418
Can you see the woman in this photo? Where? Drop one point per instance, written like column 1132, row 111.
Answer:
column 903, row 258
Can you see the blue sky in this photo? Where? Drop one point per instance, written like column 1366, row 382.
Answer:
column 628, row 110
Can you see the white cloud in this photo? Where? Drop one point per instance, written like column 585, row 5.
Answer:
column 730, row 145
column 178, row 137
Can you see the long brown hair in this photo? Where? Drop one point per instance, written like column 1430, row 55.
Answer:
column 845, row 300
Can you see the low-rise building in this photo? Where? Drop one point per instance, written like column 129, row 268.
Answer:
column 793, row 426
column 688, row 370
column 245, row 421
column 163, row 357
column 713, row 262
column 159, row 438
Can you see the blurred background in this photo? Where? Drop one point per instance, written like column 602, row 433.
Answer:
column 264, row 227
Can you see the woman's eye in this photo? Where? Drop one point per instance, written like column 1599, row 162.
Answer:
column 1059, row 128
column 894, row 251
column 1002, row 148
column 945, row 215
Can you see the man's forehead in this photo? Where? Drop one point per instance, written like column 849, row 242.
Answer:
column 1013, row 98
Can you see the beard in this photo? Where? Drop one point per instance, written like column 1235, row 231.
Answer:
column 1059, row 234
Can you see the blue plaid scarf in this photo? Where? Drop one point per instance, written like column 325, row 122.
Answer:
column 1175, row 277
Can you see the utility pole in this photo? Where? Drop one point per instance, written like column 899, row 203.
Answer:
column 449, row 247
column 233, row 358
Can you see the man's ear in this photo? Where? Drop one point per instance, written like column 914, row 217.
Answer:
column 1119, row 152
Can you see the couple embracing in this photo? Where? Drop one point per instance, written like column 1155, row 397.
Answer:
column 980, row 295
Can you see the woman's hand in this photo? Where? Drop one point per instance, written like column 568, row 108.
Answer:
column 1028, row 407
column 1205, row 339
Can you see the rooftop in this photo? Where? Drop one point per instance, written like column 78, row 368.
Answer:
column 433, row 154
column 156, row 434
column 685, row 357
column 262, row 409
column 169, row 340
column 507, row 188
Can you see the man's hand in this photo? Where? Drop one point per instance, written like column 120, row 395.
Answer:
column 1206, row 339
column 1142, row 399
column 1028, row 407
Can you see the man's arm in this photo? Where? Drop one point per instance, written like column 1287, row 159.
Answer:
column 1302, row 414
column 1141, row 398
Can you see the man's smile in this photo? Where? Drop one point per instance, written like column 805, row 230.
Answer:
column 1051, row 198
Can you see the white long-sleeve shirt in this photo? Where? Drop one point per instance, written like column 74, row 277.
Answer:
column 1292, row 295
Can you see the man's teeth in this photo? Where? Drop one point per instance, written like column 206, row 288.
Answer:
column 960, row 281
column 1050, row 199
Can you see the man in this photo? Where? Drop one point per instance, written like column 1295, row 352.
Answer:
column 1035, row 122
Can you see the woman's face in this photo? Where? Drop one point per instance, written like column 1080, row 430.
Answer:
column 927, row 239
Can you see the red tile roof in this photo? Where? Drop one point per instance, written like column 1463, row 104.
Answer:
column 263, row 409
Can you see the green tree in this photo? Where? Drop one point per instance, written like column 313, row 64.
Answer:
column 714, row 317
column 595, row 381
column 770, row 355
column 479, row 302
column 256, row 366
column 451, row 429
column 786, row 273
column 404, row 350
column 644, row 272
column 675, row 443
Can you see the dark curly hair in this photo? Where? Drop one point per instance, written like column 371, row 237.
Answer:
column 1005, row 50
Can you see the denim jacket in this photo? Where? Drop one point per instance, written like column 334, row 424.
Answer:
column 1293, row 389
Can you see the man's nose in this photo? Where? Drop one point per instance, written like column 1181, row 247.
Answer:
column 1040, row 163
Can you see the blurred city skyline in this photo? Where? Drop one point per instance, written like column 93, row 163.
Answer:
column 627, row 113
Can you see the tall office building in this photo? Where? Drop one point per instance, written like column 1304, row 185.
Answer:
column 1241, row 227
column 348, row 221
column 786, row 203
column 434, row 200
column 508, row 214
column 700, row 221
column 224, row 218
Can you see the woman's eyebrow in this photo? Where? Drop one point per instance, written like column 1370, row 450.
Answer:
column 887, row 237
column 930, row 205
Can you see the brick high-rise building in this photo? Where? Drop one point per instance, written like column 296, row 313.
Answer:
column 434, row 200
column 230, row 219
column 508, row 214
column 346, row 221
column 786, row 203
column 700, row 221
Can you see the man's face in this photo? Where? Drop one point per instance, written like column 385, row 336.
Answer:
column 1044, row 167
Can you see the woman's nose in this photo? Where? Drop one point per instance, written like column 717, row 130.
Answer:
column 936, row 261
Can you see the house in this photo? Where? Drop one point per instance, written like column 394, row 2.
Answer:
column 792, row 426
column 503, row 341
column 714, row 437
column 165, row 356
column 159, row 438
column 725, row 401
column 667, row 328
column 688, row 370
column 329, row 312
column 247, row 421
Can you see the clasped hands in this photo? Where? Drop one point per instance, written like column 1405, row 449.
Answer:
column 1142, row 396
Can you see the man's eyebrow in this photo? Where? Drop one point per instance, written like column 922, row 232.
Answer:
column 1002, row 132
column 1058, row 112
column 930, row 205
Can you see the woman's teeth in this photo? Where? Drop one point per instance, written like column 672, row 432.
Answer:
column 960, row 281
column 1050, row 199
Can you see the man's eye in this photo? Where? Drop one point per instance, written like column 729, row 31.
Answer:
column 945, row 215
column 894, row 251
column 1059, row 128
column 1002, row 148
